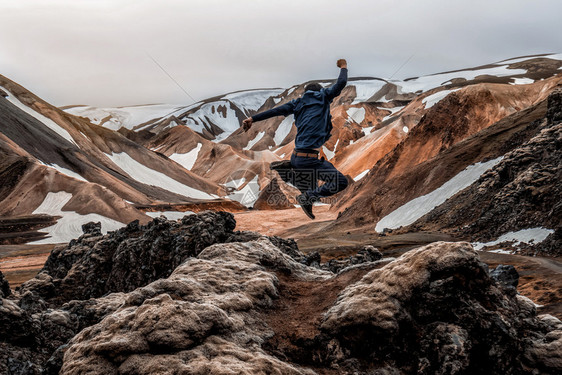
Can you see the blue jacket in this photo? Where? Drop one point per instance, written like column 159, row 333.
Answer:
column 312, row 114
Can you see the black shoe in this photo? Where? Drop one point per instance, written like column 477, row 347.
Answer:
column 281, row 165
column 306, row 205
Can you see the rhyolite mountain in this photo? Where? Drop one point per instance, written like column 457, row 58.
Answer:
column 474, row 154
column 118, row 163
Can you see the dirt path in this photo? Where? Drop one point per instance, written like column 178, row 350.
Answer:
column 297, row 315
column 284, row 222
column 540, row 278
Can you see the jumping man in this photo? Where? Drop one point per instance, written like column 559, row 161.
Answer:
column 314, row 124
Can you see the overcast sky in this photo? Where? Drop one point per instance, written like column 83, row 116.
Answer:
column 97, row 52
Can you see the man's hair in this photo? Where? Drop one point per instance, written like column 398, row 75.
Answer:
column 313, row 87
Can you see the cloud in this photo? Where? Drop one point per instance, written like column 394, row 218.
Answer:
column 95, row 52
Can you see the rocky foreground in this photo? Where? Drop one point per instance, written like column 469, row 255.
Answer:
column 195, row 296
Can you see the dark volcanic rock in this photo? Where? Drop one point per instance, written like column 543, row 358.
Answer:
column 365, row 255
column 522, row 191
column 94, row 265
column 436, row 310
column 4, row 286
column 92, row 228
column 506, row 275
column 34, row 337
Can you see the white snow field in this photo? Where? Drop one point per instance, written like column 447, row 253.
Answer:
column 256, row 139
column 146, row 175
column 365, row 89
column 248, row 195
column 128, row 117
column 528, row 236
column 356, row 114
column 433, row 99
column 45, row 120
column 522, row 81
column 188, row 159
column 426, row 83
column 329, row 154
column 416, row 208
column 170, row 215
column 361, row 175
column 219, row 113
column 283, row 129
column 251, row 100
column 65, row 171
column 70, row 225
column 392, row 111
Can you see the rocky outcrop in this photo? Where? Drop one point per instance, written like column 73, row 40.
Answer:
column 66, row 296
column 367, row 254
column 200, row 320
column 239, row 302
column 94, row 265
column 4, row 286
column 435, row 310
column 522, row 191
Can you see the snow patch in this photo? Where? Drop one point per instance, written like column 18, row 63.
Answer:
column 256, row 139
column 236, row 183
column 70, row 225
column 329, row 154
column 146, row 175
column 365, row 89
column 522, row 81
column 556, row 56
column 368, row 130
column 361, row 175
column 219, row 113
column 433, row 99
column 247, row 195
column 45, row 120
column 283, row 129
column 188, row 159
column 356, row 114
column 426, row 83
column 128, row 117
column 416, row 208
column 251, row 100
column 65, row 171
column 527, row 236
column 392, row 111
column 500, row 251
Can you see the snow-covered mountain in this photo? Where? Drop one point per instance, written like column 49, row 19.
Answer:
column 165, row 155
column 214, row 118
column 57, row 164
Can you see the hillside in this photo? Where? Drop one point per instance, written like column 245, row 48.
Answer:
column 156, row 238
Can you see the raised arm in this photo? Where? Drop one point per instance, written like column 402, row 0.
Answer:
column 283, row 110
column 336, row 89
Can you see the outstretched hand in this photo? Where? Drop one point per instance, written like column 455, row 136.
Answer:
column 342, row 64
column 247, row 123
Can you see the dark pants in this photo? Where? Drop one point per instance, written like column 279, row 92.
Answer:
column 307, row 171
